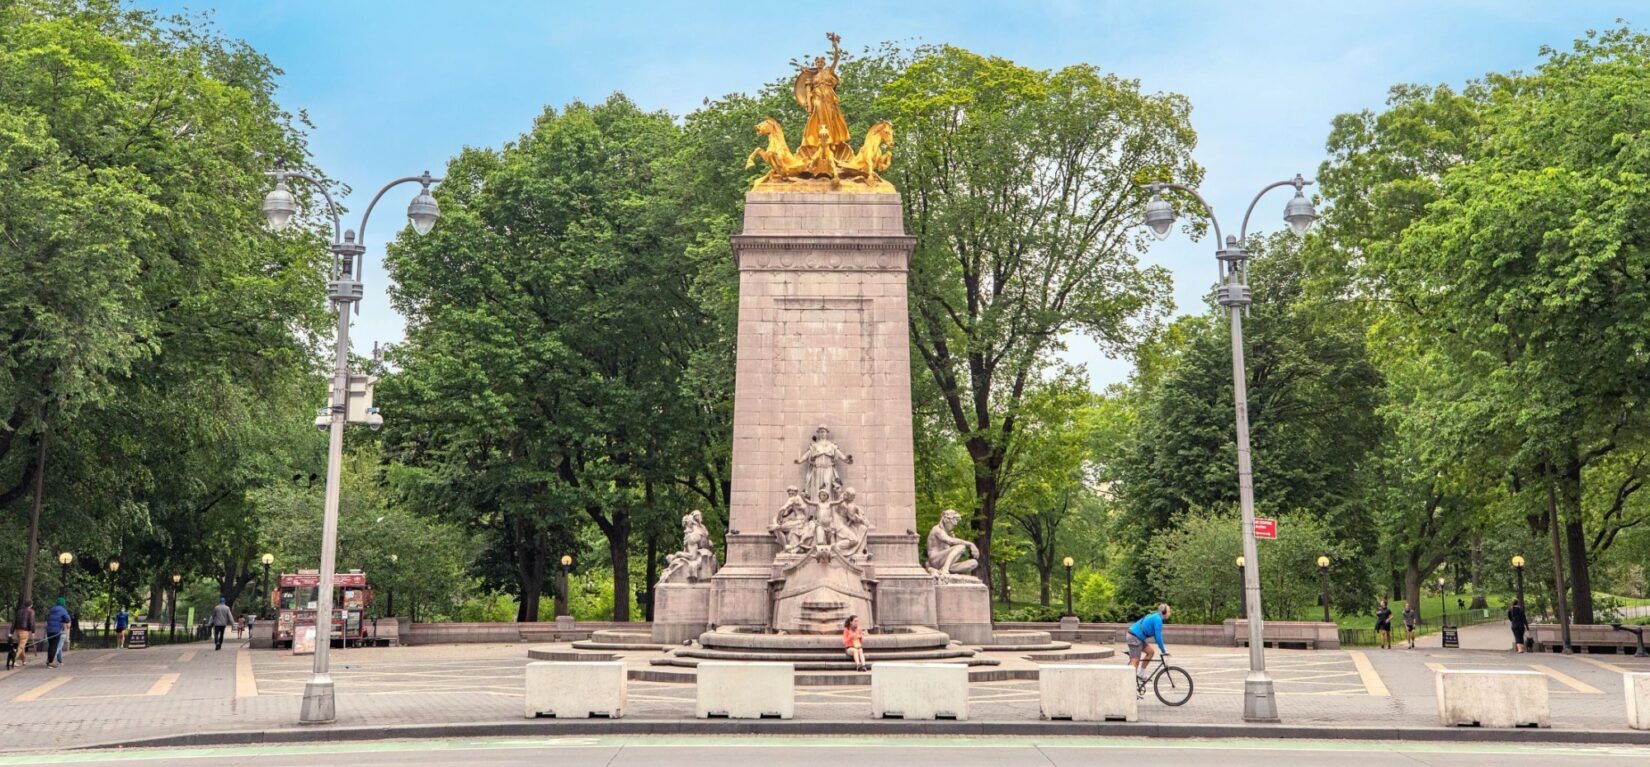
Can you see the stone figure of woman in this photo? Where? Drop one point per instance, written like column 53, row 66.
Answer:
column 697, row 559
column 821, row 468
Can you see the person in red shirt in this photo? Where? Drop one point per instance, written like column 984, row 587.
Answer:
column 853, row 642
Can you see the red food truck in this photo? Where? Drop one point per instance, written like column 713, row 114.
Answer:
column 295, row 602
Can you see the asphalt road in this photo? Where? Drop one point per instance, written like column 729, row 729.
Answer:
column 835, row 752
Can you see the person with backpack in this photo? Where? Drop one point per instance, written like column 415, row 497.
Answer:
column 58, row 623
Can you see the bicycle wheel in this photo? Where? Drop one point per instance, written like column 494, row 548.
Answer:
column 1173, row 686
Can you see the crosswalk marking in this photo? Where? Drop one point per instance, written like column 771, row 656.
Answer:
column 162, row 685
column 186, row 657
column 1567, row 680
column 1366, row 672
column 38, row 692
column 246, row 683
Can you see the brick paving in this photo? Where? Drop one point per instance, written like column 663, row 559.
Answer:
column 103, row 696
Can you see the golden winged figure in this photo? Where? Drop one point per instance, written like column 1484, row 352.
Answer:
column 824, row 161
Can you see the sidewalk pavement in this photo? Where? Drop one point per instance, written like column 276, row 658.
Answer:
column 108, row 696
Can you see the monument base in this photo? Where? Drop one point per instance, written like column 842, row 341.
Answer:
column 964, row 607
column 681, row 612
column 818, row 597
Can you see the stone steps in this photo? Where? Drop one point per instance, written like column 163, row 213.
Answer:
column 1077, row 655
column 841, row 665
column 620, row 640
column 1046, row 646
column 804, row 657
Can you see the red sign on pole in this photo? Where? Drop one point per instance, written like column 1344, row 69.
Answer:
column 1266, row 528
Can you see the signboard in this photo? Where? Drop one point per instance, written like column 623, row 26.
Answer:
column 1452, row 638
column 1266, row 528
column 137, row 637
column 303, row 640
column 355, row 580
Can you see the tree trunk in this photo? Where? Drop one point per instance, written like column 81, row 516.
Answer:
column 1581, row 581
column 1042, row 583
column 34, row 519
column 1002, row 586
column 985, row 497
column 1412, row 579
column 1478, row 581
column 618, row 552
column 1558, row 569
column 531, row 590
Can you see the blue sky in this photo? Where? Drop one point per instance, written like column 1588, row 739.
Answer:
column 397, row 87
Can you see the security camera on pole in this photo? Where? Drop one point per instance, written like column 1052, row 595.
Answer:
column 351, row 393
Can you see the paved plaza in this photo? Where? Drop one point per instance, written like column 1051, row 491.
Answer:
column 106, row 696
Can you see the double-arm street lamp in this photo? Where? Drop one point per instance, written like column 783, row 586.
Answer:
column 351, row 396
column 1259, row 703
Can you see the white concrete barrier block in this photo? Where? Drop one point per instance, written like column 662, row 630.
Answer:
column 1088, row 693
column 1638, row 700
column 575, row 690
column 746, row 690
column 919, row 690
column 1492, row 698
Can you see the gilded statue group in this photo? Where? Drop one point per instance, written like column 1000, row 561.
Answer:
column 825, row 157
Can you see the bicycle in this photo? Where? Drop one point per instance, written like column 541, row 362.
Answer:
column 1179, row 683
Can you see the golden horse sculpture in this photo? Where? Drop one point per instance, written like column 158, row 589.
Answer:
column 824, row 161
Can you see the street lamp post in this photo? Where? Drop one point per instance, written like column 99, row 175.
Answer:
column 1068, row 563
column 1518, row 577
column 1243, row 605
column 176, row 579
column 1443, row 621
column 264, row 610
column 344, row 290
column 1323, row 585
column 65, row 559
column 1259, row 702
column 109, row 615
column 395, row 560
column 564, row 597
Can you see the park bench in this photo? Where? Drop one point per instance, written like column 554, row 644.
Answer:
column 1592, row 638
column 1303, row 635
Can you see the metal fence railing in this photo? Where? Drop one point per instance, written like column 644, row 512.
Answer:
column 1365, row 637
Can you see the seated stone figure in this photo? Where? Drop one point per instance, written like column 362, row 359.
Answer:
column 793, row 527
column 696, row 562
column 849, row 528
column 946, row 551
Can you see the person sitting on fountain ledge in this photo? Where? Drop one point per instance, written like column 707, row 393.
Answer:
column 853, row 641
column 946, row 551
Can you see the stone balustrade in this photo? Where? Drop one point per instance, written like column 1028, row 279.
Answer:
column 575, row 690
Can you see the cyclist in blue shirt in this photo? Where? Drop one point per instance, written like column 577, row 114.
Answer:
column 1147, row 628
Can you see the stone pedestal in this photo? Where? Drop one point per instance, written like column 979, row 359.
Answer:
column 964, row 610
column 818, row 596
column 823, row 339
column 681, row 611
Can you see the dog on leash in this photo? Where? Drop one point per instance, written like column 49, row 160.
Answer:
column 11, row 653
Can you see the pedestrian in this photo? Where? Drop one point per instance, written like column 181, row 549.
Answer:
column 1383, row 625
column 122, row 620
column 22, row 629
column 222, row 616
column 57, row 633
column 853, row 642
column 1519, row 622
column 1410, row 619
